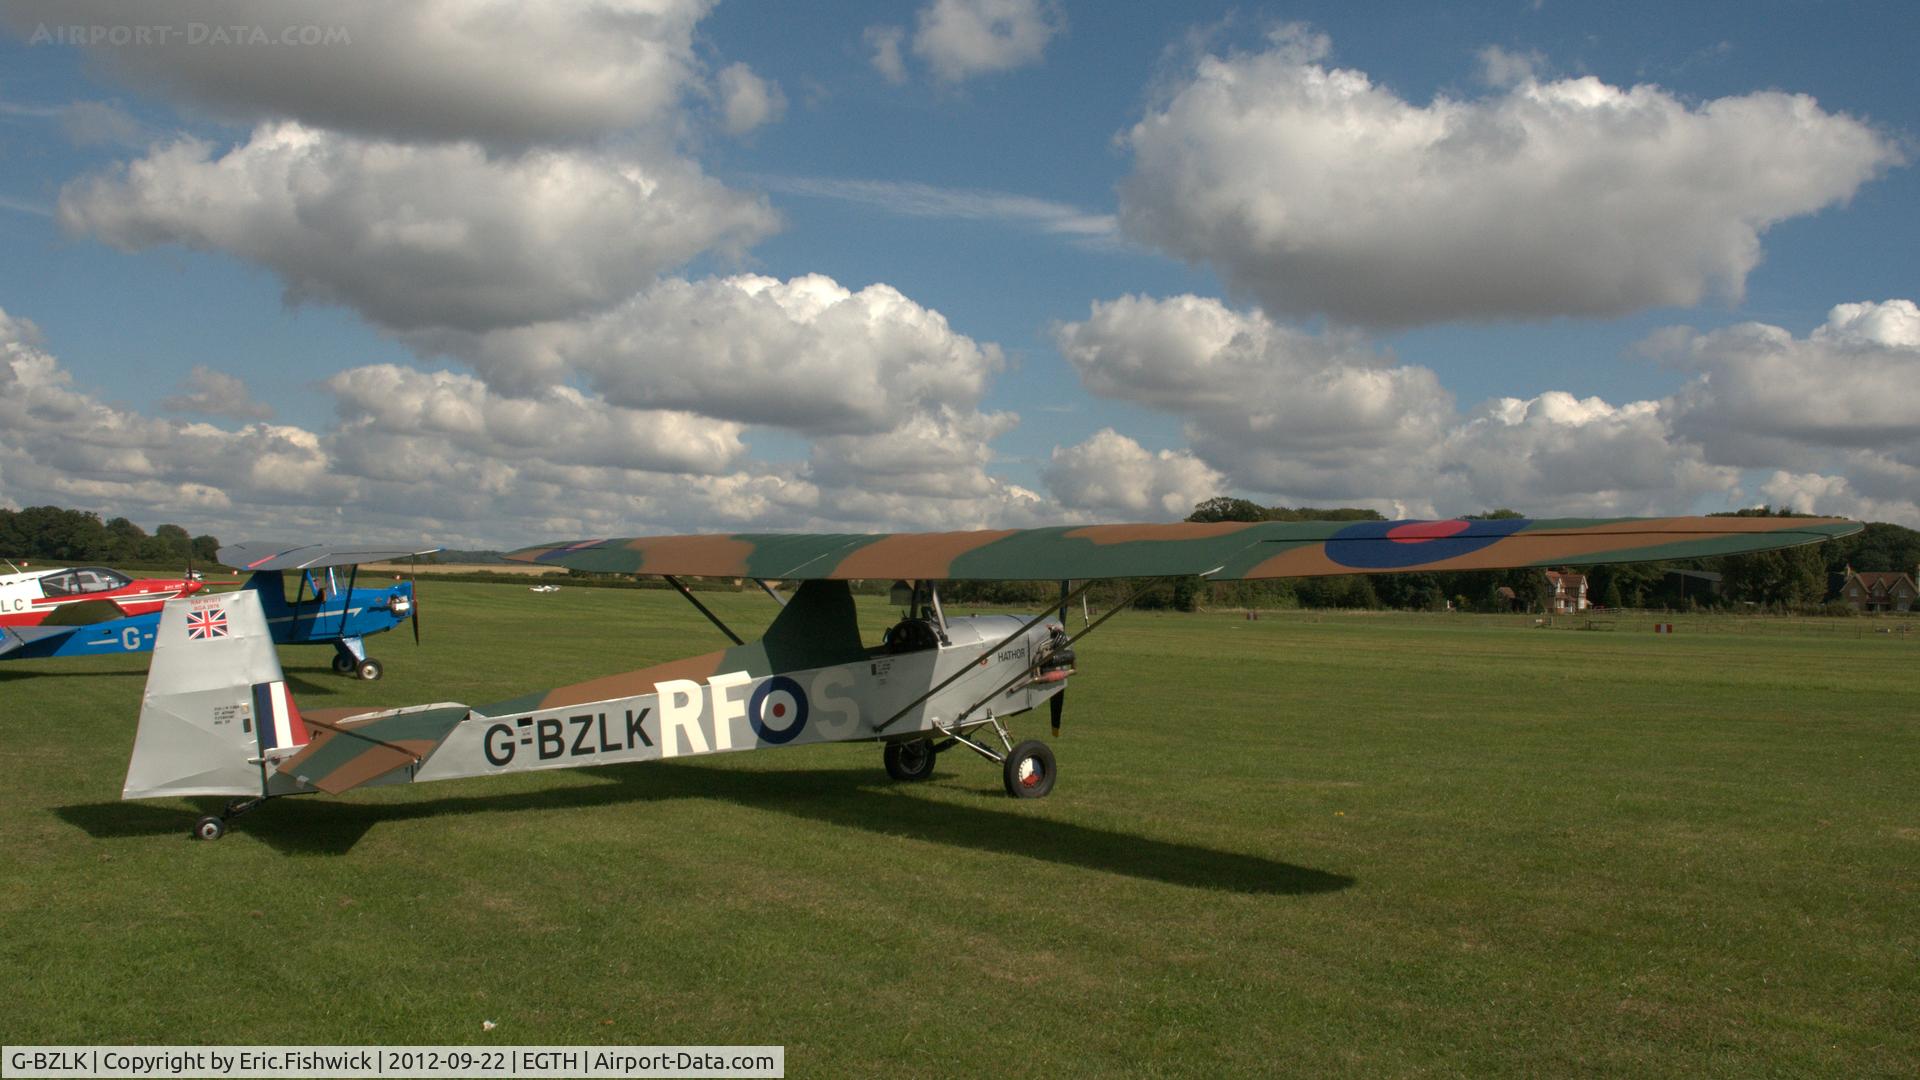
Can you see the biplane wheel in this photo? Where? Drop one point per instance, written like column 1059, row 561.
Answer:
column 342, row 664
column 369, row 669
column 209, row 828
column 909, row 760
column 1028, row 770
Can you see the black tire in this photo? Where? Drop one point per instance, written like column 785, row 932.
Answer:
column 209, row 828
column 343, row 664
column 910, row 760
column 369, row 669
column 1029, row 771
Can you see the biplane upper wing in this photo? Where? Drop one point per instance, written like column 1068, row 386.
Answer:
column 258, row 555
column 1223, row 550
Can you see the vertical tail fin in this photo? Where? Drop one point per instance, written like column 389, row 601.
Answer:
column 217, row 710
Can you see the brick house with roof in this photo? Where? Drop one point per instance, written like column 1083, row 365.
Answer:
column 1878, row 590
column 1566, row 592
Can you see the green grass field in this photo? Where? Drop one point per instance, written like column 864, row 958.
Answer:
column 1388, row 844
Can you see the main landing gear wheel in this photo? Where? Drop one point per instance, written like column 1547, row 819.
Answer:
column 209, row 828
column 909, row 760
column 1028, row 770
column 342, row 664
column 369, row 669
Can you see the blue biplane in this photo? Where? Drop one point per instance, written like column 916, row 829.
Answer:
column 300, row 592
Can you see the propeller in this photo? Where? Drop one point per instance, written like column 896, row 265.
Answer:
column 413, row 590
column 1058, row 703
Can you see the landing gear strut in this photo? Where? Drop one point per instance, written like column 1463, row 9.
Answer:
column 1027, row 769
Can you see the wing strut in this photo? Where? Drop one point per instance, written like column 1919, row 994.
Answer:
column 771, row 591
column 969, row 667
column 711, row 617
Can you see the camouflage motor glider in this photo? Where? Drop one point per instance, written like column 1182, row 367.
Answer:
column 218, row 718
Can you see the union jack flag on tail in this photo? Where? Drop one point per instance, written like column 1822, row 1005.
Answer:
column 280, row 725
column 206, row 625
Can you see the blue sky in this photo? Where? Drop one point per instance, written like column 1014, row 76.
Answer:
column 484, row 277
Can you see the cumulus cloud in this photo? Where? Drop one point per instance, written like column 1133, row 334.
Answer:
column 490, row 70
column 422, row 236
column 1562, row 455
column 1275, row 408
column 216, row 393
column 961, row 39
column 1762, row 397
column 885, row 42
column 1314, row 190
column 747, row 100
column 562, row 425
column 1112, row 476
column 807, row 354
column 441, row 456
column 1324, row 419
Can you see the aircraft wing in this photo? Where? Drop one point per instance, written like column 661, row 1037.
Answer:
column 259, row 555
column 1224, row 550
column 13, row 638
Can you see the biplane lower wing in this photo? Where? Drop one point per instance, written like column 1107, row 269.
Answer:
column 1224, row 551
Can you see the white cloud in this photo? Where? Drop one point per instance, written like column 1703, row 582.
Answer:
column 490, row 70
column 885, row 42
column 216, row 393
column 562, row 425
column 960, row 39
column 747, row 100
column 1112, row 476
column 1314, row 190
column 1277, row 409
column 422, row 236
column 439, row 455
column 807, row 354
column 910, row 199
column 1323, row 419
column 1558, row 455
column 1763, row 398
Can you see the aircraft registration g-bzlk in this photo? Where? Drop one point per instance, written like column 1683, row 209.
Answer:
column 218, row 718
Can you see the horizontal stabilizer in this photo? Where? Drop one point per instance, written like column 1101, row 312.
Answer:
column 348, row 752
column 19, row 637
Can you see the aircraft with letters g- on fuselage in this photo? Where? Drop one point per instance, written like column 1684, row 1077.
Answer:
column 219, row 719
column 320, row 611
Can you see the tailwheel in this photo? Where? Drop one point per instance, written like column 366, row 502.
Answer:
column 910, row 760
column 1028, row 770
column 369, row 669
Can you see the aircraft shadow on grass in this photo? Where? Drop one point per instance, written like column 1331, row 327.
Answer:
column 847, row 797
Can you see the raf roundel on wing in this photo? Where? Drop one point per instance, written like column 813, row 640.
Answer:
column 1395, row 545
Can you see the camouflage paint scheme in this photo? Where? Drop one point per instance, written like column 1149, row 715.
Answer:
column 1224, row 551
column 813, row 654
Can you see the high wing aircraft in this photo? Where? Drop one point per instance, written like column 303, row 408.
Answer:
column 318, row 612
column 218, row 718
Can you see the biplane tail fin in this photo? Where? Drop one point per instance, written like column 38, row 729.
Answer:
column 217, row 712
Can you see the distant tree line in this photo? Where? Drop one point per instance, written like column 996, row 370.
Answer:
column 52, row 533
